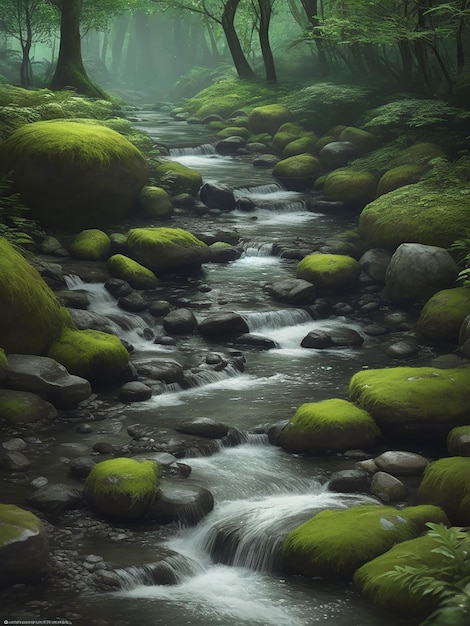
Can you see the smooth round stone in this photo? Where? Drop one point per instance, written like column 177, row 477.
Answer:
column 134, row 391
column 203, row 427
column 399, row 463
column 402, row 349
column 349, row 481
column 387, row 488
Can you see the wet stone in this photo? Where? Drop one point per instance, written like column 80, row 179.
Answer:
column 16, row 444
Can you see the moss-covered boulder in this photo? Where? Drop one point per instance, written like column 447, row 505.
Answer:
column 96, row 356
column 329, row 271
column 138, row 276
column 416, row 213
column 30, row 314
column 23, row 407
column 365, row 141
column 399, row 176
column 285, row 134
column 299, row 172
column 335, row 543
column 178, row 178
column 167, row 249
column 352, row 187
column 122, row 488
column 446, row 483
column 442, row 316
column 233, row 131
column 417, row 154
column 156, row 202
column 268, row 119
column 328, row 425
column 24, row 549
column 374, row 583
column 458, row 441
column 74, row 175
column 91, row 245
column 302, row 145
column 413, row 400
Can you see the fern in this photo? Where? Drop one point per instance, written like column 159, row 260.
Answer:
column 461, row 249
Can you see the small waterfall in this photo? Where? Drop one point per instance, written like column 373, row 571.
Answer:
column 169, row 571
column 258, row 248
column 258, row 191
column 204, row 149
column 275, row 319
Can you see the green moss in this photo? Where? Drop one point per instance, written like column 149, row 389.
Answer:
column 386, row 592
column 353, row 187
column 298, row 172
column 402, row 397
column 30, row 315
column 285, row 134
column 329, row 271
column 418, row 154
column 303, row 145
column 91, row 354
column 335, row 543
column 156, row 202
column 178, row 178
column 399, row 177
column 417, row 213
column 365, row 141
column 16, row 522
column 443, row 314
column 456, row 434
column 268, row 118
column 122, row 487
column 233, row 131
column 138, row 276
column 329, row 425
column 3, row 364
column 446, row 483
column 23, row 407
column 91, row 245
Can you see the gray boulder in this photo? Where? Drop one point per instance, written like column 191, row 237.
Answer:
column 223, row 325
column 293, row 291
column 417, row 271
column 217, row 196
column 87, row 319
column 203, row 427
column 56, row 498
column 387, row 488
column 374, row 264
column 180, row 322
column 182, row 503
column 46, row 377
column 21, row 407
column 400, row 463
column 349, row 481
column 338, row 153
column 230, row 145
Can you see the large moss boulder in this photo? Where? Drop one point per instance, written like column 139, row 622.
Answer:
column 352, row 187
column 268, row 118
column 399, row 176
column 30, row 314
column 329, row 271
column 138, row 276
column 285, row 134
column 91, row 244
column 328, row 425
column 74, row 175
column 417, row 154
column 446, row 483
column 362, row 139
column 374, row 582
column 122, row 488
column 413, row 400
column 24, row 549
column 416, row 213
column 299, row 172
column 442, row 316
column 167, row 249
column 23, row 407
column 91, row 354
column 156, row 202
column 335, row 543
column 178, row 178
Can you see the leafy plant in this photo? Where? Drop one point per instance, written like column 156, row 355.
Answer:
column 462, row 249
column 449, row 582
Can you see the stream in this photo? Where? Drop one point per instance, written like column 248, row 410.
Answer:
column 226, row 567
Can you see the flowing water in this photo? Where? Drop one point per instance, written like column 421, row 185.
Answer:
column 226, row 568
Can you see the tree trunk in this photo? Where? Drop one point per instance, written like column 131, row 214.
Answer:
column 311, row 11
column 120, row 27
column 70, row 71
column 25, row 69
column 265, row 9
column 242, row 66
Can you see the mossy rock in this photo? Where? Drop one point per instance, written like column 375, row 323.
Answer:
column 122, row 488
column 91, row 245
column 269, row 118
column 74, row 175
column 443, row 314
column 299, row 172
column 329, row 425
column 335, row 543
column 3, row 365
column 24, row 549
column 324, row 141
column 418, row 154
column 302, row 145
column 416, row 213
column 138, row 276
column 167, row 249
column 156, row 202
column 458, row 441
column 352, row 187
column 233, row 131
column 30, row 315
column 446, row 483
column 178, row 178
column 374, row 584
column 329, row 271
column 365, row 141
column 24, row 407
column 399, row 177
column 93, row 355
column 285, row 134
column 413, row 400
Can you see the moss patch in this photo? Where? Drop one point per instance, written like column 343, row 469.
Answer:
column 443, row 314
column 138, row 276
column 329, row 271
column 298, row 172
column 268, row 118
column 333, row 424
column 446, row 483
column 233, row 131
column 336, row 543
column 91, row 245
column 352, row 187
column 156, row 202
column 15, row 522
column 365, row 141
column 399, row 177
column 178, row 178
column 23, row 407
